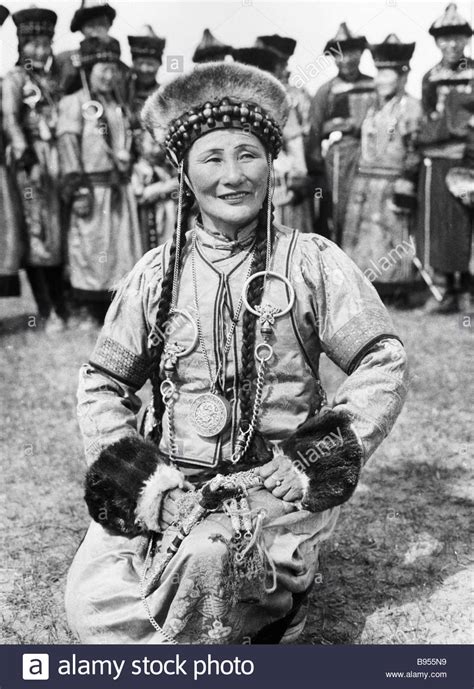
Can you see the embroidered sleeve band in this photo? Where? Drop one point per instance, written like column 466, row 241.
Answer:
column 118, row 361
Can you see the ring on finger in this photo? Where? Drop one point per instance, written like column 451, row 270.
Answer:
column 279, row 482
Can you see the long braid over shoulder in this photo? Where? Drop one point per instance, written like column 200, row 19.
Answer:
column 162, row 317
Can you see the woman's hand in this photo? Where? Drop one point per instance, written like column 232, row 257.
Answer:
column 283, row 479
column 170, row 506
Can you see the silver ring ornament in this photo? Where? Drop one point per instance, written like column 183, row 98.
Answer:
column 263, row 346
column 192, row 346
column 284, row 279
column 167, row 389
column 96, row 108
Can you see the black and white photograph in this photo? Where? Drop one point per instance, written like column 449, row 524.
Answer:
column 236, row 314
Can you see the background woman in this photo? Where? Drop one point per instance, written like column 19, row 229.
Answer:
column 30, row 101
column 94, row 145
column 233, row 361
column 380, row 210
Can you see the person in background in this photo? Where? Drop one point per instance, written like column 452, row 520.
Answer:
column 444, row 227
column 155, row 185
column 300, row 99
column 210, row 49
column 379, row 218
column 153, row 178
column 336, row 115
column 30, row 101
column 147, row 52
column 11, row 245
column 92, row 19
column 292, row 192
column 94, row 145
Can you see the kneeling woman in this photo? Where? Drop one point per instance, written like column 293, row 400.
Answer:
column 207, row 530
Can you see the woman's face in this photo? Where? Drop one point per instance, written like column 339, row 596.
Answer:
column 103, row 77
column 37, row 51
column 452, row 47
column 387, row 82
column 227, row 171
column 146, row 69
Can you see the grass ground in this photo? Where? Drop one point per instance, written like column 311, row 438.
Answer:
column 399, row 566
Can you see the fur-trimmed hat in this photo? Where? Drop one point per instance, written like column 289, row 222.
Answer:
column 392, row 53
column 34, row 21
column 213, row 96
column 282, row 46
column 450, row 22
column 147, row 44
column 4, row 12
column 345, row 40
column 89, row 11
column 99, row 49
column 263, row 58
column 210, row 49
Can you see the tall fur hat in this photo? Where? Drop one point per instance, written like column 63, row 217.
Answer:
column 282, row 46
column 263, row 58
column 4, row 12
column 450, row 22
column 392, row 53
column 89, row 11
column 217, row 95
column 210, row 49
column 345, row 40
column 146, row 44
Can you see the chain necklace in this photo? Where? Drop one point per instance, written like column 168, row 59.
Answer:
column 210, row 412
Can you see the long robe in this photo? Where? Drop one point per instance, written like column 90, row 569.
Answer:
column 378, row 233
column 105, row 245
column 444, row 226
column 11, row 235
column 37, row 183
column 336, row 311
column 338, row 106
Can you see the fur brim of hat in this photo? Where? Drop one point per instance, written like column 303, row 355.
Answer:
column 4, row 12
column 356, row 43
column 87, row 14
column 211, row 82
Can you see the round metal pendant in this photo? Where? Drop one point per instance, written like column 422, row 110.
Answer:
column 210, row 414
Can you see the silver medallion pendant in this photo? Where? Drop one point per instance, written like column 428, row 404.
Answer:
column 210, row 414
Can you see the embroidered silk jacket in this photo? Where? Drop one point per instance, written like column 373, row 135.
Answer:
column 336, row 312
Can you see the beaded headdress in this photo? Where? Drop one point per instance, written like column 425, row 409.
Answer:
column 217, row 95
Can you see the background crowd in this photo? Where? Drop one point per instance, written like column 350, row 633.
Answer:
column 85, row 191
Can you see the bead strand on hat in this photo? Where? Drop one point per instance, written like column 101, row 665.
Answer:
column 226, row 113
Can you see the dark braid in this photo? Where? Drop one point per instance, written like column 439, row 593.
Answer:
column 162, row 316
column 249, row 321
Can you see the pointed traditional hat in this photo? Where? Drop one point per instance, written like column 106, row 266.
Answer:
column 392, row 53
column 91, row 9
column 210, row 49
column 345, row 40
column 217, row 95
column 146, row 43
column 263, row 58
column 450, row 22
column 282, row 46
column 34, row 21
column 4, row 12
column 99, row 49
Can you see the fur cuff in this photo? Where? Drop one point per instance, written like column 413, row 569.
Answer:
column 115, row 480
column 151, row 497
column 329, row 452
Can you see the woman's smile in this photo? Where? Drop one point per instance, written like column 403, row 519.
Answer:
column 234, row 197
